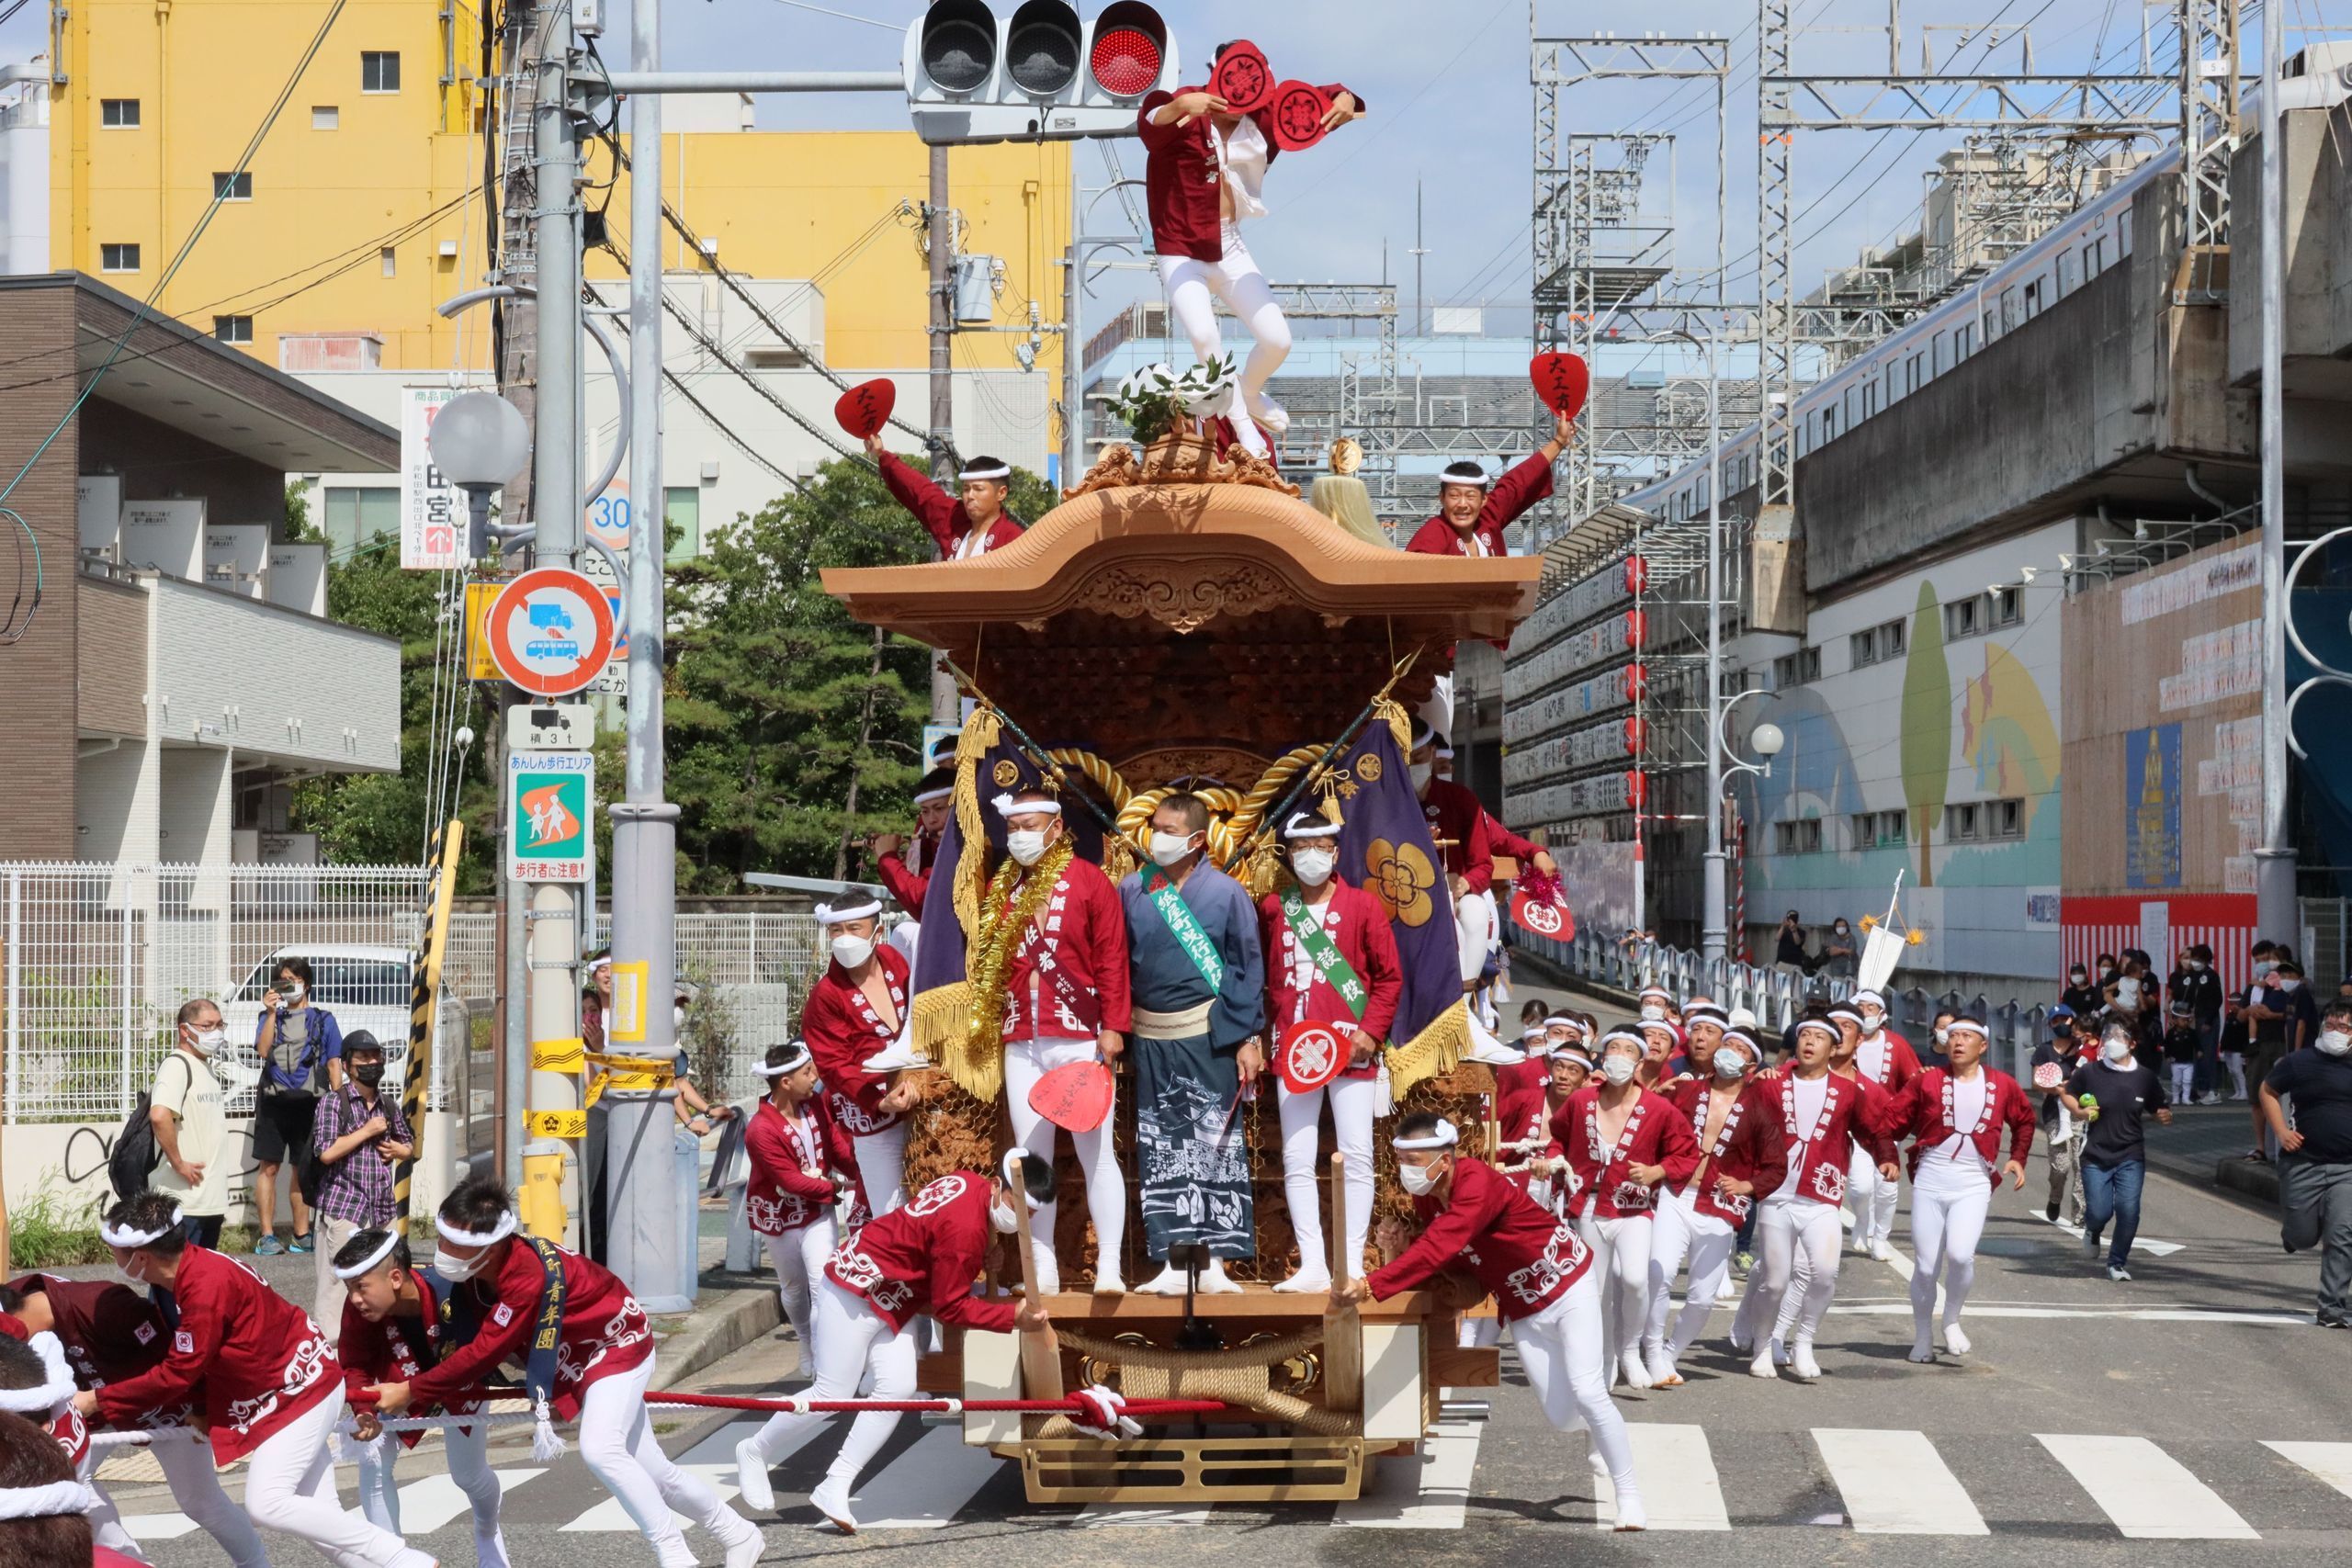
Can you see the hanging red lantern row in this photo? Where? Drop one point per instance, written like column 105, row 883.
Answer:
column 1638, row 574
column 1636, row 732
column 1635, row 681
column 1637, row 626
column 1637, row 788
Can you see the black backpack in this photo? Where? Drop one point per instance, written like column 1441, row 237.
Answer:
column 136, row 1154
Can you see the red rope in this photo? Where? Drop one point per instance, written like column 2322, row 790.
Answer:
column 1137, row 1407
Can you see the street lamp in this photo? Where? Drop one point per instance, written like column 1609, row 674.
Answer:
column 1711, row 943
column 1768, row 740
column 479, row 441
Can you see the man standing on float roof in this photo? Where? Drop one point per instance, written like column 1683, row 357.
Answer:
column 1199, row 990
column 963, row 529
column 1473, row 508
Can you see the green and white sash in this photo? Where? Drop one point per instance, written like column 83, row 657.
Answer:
column 1187, row 927
column 1329, row 962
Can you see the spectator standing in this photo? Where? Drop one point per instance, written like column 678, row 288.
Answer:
column 184, row 1106
column 2184, row 1049
column 2196, row 984
column 1939, row 1053
column 2080, row 996
column 299, row 1042
column 359, row 1134
column 2315, row 1171
column 1837, row 950
column 2280, row 1018
column 1789, row 956
column 2062, row 1131
column 2115, row 1094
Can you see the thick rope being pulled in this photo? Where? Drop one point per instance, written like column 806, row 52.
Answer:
column 1263, row 1354
column 1237, row 1375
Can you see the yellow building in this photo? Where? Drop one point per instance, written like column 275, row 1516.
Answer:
column 363, row 210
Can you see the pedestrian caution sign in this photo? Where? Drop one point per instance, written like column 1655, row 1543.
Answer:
column 550, row 797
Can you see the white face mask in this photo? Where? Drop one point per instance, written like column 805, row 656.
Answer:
column 1001, row 1216
column 453, row 1267
column 1313, row 867
column 1027, row 845
column 2287, row 983
column 2076, row 975
column 1417, row 1179
column 2196, row 964
column 1653, row 1012
column 2116, row 1052
column 1943, row 1036
column 2334, row 1042
column 1873, row 1022
column 1618, row 1068
column 1419, row 773
column 2265, row 967
column 849, row 951
column 209, row 1041
column 1730, row 1062
column 1167, row 849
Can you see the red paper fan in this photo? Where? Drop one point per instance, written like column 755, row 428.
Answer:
column 1298, row 111
column 1310, row 1055
column 1075, row 1095
column 1243, row 79
column 865, row 408
column 1561, row 380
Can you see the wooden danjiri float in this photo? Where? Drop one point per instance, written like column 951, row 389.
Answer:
column 1183, row 621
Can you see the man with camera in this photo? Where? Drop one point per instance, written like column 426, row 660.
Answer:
column 302, row 1054
column 360, row 1135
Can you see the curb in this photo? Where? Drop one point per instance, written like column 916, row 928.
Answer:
column 2259, row 1182
column 726, row 1320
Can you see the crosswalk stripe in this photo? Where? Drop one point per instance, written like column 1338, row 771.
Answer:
column 432, row 1501
column 720, row 1447
column 2139, row 1243
column 608, row 1517
column 2146, row 1492
column 1428, row 1491
column 1119, row 1515
column 924, row 1487
column 1894, row 1483
column 157, row 1527
column 1677, row 1469
column 2332, row 1462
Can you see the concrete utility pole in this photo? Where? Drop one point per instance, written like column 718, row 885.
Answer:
column 940, row 241
column 643, row 1240
column 2276, row 915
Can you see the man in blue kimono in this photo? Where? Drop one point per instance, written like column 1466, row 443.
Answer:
column 1199, row 993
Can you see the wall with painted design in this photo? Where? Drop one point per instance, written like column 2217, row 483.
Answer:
column 1926, row 744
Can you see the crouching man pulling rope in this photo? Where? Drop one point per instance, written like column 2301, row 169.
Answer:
column 589, row 1353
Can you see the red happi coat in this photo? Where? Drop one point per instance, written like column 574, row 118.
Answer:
column 1358, row 925
column 788, row 1187
column 1522, row 1109
column 257, row 1358
column 1458, row 821
column 1743, row 1149
column 1184, row 183
column 1856, row 1112
column 941, row 515
column 604, row 1330
column 1526, row 1258
column 1924, row 1113
column 909, row 887
column 842, row 1029
column 1655, row 1133
column 110, row 1333
column 397, row 1350
column 1522, row 485
column 920, row 1260
column 1066, row 978
column 1896, row 1069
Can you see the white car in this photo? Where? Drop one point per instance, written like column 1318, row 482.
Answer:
column 365, row 986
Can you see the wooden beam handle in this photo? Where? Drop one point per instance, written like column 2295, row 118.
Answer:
column 1040, row 1353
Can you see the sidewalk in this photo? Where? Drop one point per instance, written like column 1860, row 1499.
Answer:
column 2206, row 1143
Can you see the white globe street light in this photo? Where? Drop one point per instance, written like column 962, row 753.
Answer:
column 1767, row 740
column 479, row 441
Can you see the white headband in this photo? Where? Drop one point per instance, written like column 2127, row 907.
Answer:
column 1015, row 1178
column 942, row 792
column 1442, row 1137
column 1305, row 825
column 1823, row 1024
column 127, row 1238
column 1571, row 1048
column 1871, row 997
column 1008, row 807
column 1970, row 1024
column 1628, row 1036
column 1000, row 472
column 56, row 1388
column 829, row 916
column 368, row 1264
column 1738, row 1036
column 1481, row 478
column 498, row 1231
column 55, row 1498
column 1561, row 1021
column 791, row 1064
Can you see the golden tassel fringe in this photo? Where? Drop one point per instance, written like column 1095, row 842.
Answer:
column 1436, row 1050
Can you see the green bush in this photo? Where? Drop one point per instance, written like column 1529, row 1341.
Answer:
column 54, row 1229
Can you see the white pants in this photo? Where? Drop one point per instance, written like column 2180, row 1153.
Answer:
column 468, row 1453
column 1351, row 1118
column 1683, row 1233
column 1792, row 1229
column 1026, row 1061
column 852, row 1340
column 616, row 1439
column 290, row 1486
column 798, row 1258
column 882, row 1169
column 1948, row 1208
column 1194, row 286
column 1621, row 1258
column 1480, row 1332
column 1873, row 1197
column 2184, row 1083
column 185, row 1461
column 1561, row 1348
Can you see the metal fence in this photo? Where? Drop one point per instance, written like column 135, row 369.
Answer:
column 97, row 959
column 1777, row 998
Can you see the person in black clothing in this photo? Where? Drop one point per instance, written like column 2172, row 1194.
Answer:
column 2196, row 984
column 2315, row 1171
column 2080, row 996
column 2282, row 1019
column 1790, row 957
column 2062, row 1132
column 2184, row 1048
column 2115, row 1094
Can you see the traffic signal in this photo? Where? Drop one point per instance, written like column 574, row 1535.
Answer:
column 1033, row 74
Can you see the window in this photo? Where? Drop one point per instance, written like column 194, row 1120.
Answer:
column 1894, row 827
column 2009, row 310
column 2033, row 300
column 2068, row 280
column 1796, row 668
column 1864, row 648
column 325, row 116
column 1878, row 643
column 2095, row 258
column 236, row 186
column 1942, row 357
column 682, row 510
column 1960, row 822
column 1965, row 617
column 1891, row 639
column 379, row 71
column 354, row 516
column 2008, row 606
column 118, row 258
column 233, row 329
column 1964, row 342
column 1873, row 829
column 119, row 114
column 2007, row 819
column 387, row 260
column 1797, row 838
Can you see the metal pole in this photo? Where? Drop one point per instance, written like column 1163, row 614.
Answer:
column 2274, row 885
column 555, row 470
column 941, row 228
column 1074, row 346
column 642, row 1236
column 1712, row 938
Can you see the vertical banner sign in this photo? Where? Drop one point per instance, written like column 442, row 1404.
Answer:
column 550, row 799
column 432, row 512
column 627, row 1024
column 424, row 999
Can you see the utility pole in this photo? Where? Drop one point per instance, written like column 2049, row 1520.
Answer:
column 939, row 230
column 2275, row 916
column 1420, row 249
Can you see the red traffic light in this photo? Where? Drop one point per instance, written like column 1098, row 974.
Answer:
column 958, row 45
column 1130, row 47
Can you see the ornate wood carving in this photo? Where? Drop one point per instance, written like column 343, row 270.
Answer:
column 1185, row 595
column 1148, row 770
